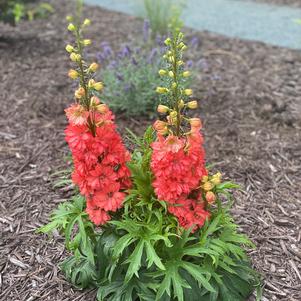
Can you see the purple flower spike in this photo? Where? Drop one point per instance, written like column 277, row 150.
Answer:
column 146, row 31
column 189, row 64
column 194, row 42
column 100, row 58
column 107, row 51
column 113, row 65
column 160, row 40
column 126, row 51
column 153, row 53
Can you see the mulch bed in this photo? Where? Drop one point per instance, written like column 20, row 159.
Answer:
column 250, row 105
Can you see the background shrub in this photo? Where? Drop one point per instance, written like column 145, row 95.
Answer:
column 131, row 75
column 12, row 11
column 161, row 14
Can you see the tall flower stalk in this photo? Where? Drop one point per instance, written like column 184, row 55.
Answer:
column 178, row 158
column 85, row 94
column 177, row 97
column 98, row 153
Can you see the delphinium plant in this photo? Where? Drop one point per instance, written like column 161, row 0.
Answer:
column 154, row 224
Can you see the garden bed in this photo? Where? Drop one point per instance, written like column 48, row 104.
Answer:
column 250, row 104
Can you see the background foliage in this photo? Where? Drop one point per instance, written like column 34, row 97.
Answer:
column 12, row 11
column 161, row 14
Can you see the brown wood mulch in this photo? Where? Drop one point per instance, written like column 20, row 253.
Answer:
column 250, row 104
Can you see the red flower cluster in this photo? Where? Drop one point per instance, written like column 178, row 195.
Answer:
column 178, row 165
column 99, row 161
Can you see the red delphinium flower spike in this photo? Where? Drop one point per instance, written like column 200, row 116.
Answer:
column 100, row 169
column 99, row 156
column 178, row 158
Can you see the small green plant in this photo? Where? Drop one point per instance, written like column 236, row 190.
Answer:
column 12, row 11
column 161, row 14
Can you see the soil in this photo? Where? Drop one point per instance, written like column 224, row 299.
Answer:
column 249, row 95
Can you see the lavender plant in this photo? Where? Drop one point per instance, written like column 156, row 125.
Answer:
column 131, row 78
column 131, row 75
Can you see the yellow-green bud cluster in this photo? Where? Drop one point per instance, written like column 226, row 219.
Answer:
column 174, row 93
column 83, row 71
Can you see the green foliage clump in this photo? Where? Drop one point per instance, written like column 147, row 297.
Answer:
column 161, row 14
column 12, row 11
column 130, row 77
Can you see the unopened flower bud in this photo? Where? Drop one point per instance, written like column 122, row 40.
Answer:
column 188, row 92
column 91, row 83
column 216, row 179
column 102, row 108
column 207, row 186
column 73, row 74
column 93, row 67
column 80, row 92
column 162, row 109
column 180, row 63
column 174, row 85
column 167, row 41
column 87, row 22
column 210, row 197
column 171, row 74
column 195, row 122
column 173, row 114
column 69, row 18
column 162, row 72
column 74, row 57
column 181, row 45
column 161, row 90
column 192, row 104
column 94, row 101
column 163, row 131
column 69, row 48
column 181, row 104
column 171, row 120
column 98, row 86
column 159, row 125
column 171, row 58
column 205, row 179
column 87, row 42
column 186, row 73
column 71, row 27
